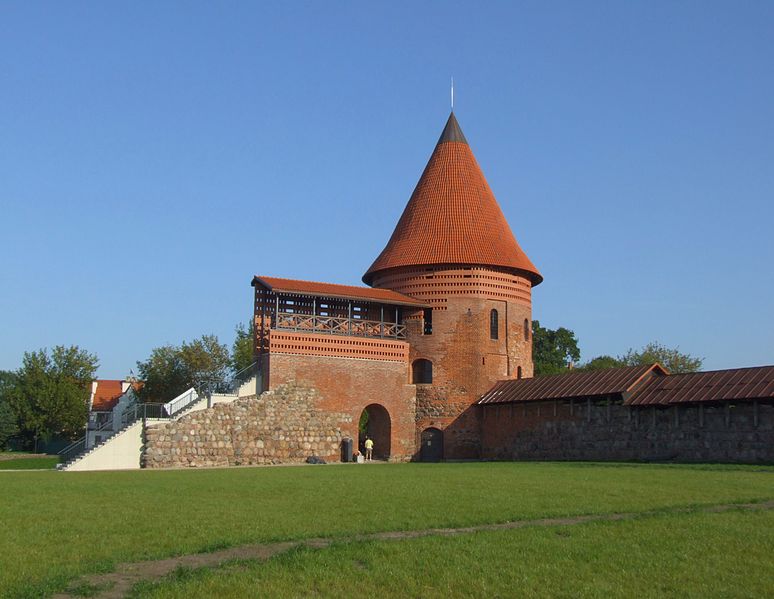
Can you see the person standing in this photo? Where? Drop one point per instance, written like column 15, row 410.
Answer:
column 369, row 447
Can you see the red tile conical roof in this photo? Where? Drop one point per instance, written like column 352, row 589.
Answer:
column 453, row 217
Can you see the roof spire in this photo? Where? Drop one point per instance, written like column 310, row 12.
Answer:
column 452, row 131
column 453, row 218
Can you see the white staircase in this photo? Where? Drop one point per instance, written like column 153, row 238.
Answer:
column 123, row 450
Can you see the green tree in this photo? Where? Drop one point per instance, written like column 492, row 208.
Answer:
column 601, row 362
column 203, row 364
column 242, row 355
column 552, row 350
column 8, row 421
column 163, row 375
column 672, row 359
column 207, row 363
column 50, row 392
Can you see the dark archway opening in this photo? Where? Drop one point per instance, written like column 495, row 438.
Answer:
column 375, row 423
column 432, row 445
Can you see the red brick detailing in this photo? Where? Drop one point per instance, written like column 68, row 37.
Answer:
column 317, row 344
column 453, row 218
column 466, row 360
column 349, row 386
column 435, row 284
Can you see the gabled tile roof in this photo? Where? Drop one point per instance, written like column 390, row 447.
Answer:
column 735, row 384
column 593, row 383
column 453, row 217
column 106, row 395
column 333, row 290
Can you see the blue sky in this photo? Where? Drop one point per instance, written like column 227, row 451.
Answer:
column 155, row 155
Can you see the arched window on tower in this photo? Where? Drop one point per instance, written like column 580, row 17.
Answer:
column 526, row 330
column 493, row 324
column 518, row 372
column 422, row 372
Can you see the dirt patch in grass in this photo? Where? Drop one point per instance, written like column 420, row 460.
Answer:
column 118, row 584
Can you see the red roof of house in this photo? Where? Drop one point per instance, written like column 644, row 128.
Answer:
column 611, row 381
column 453, row 217
column 106, row 395
column 333, row 290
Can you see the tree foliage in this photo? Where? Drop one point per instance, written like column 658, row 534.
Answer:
column 163, row 374
column 203, row 364
column 601, row 362
column 552, row 350
column 242, row 351
column 672, row 359
column 8, row 421
column 49, row 393
column 207, row 363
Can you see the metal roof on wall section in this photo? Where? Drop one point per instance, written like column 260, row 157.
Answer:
column 610, row 381
column 644, row 385
column 737, row 384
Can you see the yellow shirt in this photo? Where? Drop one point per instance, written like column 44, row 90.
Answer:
column 369, row 444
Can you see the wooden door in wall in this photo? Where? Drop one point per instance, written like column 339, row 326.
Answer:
column 432, row 445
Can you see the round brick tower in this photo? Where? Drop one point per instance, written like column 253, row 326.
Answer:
column 453, row 249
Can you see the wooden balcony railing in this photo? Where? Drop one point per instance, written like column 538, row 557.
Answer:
column 332, row 325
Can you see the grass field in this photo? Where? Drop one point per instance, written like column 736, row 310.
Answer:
column 57, row 526
column 28, row 463
column 693, row 555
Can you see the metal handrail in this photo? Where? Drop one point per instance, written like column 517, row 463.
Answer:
column 72, row 450
column 238, row 375
column 180, row 402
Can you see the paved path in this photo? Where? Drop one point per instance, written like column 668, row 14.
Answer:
column 117, row 584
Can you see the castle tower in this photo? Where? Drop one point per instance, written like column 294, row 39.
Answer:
column 453, row 250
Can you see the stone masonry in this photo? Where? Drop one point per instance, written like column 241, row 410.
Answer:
column 283, row 425
column 598, row 430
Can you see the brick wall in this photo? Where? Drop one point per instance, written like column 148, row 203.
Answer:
column 466, row 360
column 348, row 386
column 280, row 426
column 581, row 430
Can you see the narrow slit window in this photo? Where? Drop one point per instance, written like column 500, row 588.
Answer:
column 494, row 322
column 428, row 317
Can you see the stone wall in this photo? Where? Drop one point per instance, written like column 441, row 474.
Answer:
column 598, row 430
column 280, row 426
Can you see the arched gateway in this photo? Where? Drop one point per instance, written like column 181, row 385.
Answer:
column 375, row 423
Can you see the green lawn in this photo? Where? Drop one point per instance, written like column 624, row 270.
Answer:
column 25, row 463
column 686, row 555
column 57, row 525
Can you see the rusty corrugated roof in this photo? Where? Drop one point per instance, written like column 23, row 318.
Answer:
column 453, row 217
column 570, row 385
column 735, row 384
column 334, row 290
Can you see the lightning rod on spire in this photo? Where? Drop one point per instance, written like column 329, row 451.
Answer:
column 452, row 94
